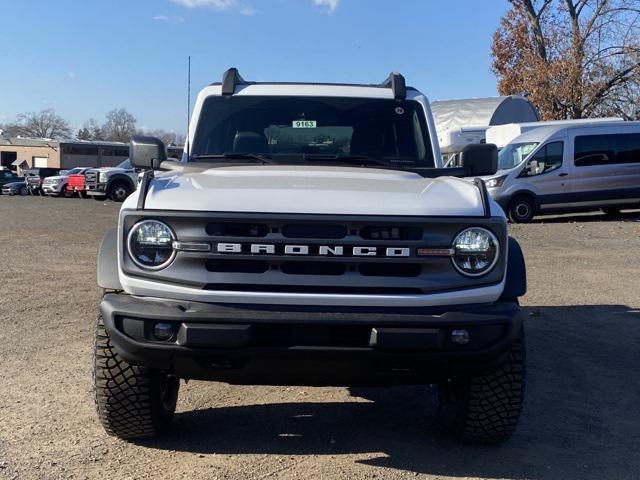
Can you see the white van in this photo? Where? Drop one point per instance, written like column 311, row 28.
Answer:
column 563, row 168
column 502, row 135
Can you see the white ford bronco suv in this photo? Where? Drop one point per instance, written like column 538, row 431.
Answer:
column 310, row 236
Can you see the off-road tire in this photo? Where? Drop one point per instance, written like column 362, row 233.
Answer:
column 119, row 191
column 485, row 409
column 131, row 401
column 521, row 209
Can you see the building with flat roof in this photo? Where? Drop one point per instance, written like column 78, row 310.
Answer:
column 17, row 153
column 20, row 152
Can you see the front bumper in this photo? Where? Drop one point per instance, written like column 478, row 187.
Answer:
column 98, row 189
column 295, row 345
column 52, row 188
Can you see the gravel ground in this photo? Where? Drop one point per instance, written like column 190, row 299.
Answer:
column 580, row 420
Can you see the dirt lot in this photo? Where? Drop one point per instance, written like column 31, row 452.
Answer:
column 581, row 417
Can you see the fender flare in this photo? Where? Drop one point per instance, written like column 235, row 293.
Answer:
column 108, row 261
column 516, row 277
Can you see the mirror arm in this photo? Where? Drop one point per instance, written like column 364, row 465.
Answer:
column 484, row 196
column 147, row 176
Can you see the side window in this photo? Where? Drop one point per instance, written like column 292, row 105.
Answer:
column 546, row 159
column 628, row 148
column 594, row 150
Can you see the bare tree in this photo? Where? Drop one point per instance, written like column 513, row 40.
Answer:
column 572, row 58
column 167, row 137
column 120, row 126
column 44, row 124
column 91, row 130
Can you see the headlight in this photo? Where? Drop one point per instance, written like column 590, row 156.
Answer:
column 102, row 178
column 495, row 182
column 150, row 244
column 476, row 251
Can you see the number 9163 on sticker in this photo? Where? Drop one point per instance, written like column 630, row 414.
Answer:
column 304, row 124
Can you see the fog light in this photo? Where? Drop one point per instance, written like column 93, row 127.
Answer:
column 163, row 331
column 460, row 337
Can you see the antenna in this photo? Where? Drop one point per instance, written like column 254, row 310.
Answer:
column 188, row 108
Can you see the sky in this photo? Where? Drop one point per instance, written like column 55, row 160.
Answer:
column 86, row 57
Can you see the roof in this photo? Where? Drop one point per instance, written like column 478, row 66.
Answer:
column 309, row 90
column 29, row 142
column 482, row 112
column 542, row 133
column 45, row 142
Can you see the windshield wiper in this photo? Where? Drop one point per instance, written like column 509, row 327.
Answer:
column 265, row 159
column 352, row 159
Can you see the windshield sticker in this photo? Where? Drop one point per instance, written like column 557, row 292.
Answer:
column 304, row 124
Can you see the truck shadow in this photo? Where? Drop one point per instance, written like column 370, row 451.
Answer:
column 580, row 419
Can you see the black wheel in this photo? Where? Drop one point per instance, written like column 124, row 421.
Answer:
column 131, row 401
column 611, row 211
column 521, row 209
column 119, row 191
column 485, row 409
column 24, row 191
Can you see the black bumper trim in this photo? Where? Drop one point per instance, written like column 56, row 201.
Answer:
column 227, row 342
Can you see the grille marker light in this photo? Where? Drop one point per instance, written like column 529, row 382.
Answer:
column 436, row 252
column 191, row 246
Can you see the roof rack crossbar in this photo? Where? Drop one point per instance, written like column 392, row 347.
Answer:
column 396, row 82
column 230, row 79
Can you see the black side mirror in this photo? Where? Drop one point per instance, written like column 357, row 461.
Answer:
column 479, row 159
column 147, row 153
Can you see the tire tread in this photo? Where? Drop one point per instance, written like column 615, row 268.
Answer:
column 124, row 394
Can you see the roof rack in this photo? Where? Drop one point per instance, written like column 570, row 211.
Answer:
column 230, row 79
column 395, row 81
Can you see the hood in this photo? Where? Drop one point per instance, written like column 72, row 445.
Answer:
column 57, row 177
column 313, row 190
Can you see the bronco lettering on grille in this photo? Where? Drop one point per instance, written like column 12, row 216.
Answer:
column 316, row 250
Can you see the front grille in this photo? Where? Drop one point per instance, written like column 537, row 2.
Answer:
column 314, row 254
column 91, row 178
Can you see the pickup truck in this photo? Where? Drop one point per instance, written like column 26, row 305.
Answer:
column 115, row 183
column 34, row 178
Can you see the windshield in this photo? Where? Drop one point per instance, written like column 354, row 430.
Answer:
column 126, row 164
column 300, row 129
column 514, row 154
